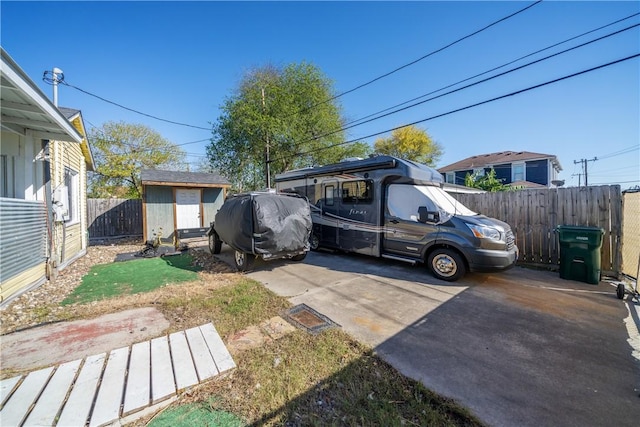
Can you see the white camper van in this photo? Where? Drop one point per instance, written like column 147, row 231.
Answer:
column 393, row 208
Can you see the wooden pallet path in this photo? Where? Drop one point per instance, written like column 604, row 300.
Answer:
column 104, row 388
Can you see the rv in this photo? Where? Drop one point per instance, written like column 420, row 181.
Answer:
column 387, row 207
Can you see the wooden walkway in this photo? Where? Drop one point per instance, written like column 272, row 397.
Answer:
column 104, row 388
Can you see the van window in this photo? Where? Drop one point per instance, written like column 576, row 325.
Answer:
column 357, row 191
column 328, row 195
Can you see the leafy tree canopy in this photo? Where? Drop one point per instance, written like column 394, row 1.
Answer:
column 410, row 143
column 120, row 151
column 289, row 108
column 487, row 182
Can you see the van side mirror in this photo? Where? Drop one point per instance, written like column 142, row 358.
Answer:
column 428, row 216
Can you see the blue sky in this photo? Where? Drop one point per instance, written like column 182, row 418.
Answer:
column 179, row 60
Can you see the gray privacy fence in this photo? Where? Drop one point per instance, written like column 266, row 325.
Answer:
column 110, row 218
column 535, row 214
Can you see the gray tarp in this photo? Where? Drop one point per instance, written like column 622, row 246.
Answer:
column 266, row 224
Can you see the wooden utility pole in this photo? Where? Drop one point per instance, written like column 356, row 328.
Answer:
column 267, row 165
column 584, row 168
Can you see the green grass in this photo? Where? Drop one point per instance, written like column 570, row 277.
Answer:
column 132, row 277
column 327, row 379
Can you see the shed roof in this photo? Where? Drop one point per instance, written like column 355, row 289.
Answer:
column 482, row 160
column 183, row 179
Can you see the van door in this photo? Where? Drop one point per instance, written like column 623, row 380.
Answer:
column 404, row 235
column 328, row 220
column 359, row 217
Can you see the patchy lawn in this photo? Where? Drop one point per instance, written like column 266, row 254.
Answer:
column 300, row 379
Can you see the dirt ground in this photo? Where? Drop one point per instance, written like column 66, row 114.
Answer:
column 42, row 305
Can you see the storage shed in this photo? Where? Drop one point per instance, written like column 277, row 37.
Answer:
column 180, row 202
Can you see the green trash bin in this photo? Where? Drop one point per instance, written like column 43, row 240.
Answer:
column 580, row 253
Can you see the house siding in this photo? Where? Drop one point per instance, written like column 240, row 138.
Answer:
column 23, row 253
column 70, row 237
column 538, row 171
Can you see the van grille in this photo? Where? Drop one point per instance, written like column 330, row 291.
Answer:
column 511, row 240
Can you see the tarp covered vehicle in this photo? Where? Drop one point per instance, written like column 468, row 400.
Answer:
column 265, row 225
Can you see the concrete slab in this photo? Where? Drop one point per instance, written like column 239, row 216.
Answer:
column 66, row 341
column 522, row 347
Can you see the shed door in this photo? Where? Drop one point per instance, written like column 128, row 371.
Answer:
column 187, row 208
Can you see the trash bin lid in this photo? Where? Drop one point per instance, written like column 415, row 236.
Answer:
column 580, row 234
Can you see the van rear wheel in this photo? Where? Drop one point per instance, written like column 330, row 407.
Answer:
column 215, row 244
column 446, row 264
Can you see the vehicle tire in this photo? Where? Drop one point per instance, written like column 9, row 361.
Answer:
column 446, row 264
column 314, row 242
column 299, row 257
column 620, row 291
column 215, row 244
column 243, row 260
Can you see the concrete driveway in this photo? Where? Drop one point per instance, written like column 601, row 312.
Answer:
column 519, row 348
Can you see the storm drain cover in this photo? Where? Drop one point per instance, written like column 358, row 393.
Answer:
column 305, row 317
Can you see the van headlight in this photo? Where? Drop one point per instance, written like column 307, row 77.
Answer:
column 484, row 232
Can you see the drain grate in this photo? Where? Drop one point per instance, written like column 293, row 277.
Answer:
column 305, row 317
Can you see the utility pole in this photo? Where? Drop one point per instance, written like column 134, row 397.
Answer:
column 267, row 165
column 584, row 169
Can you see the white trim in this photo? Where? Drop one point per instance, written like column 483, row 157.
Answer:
column 21, row 81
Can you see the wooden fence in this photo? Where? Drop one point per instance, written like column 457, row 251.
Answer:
column 534, row 216
column 109, row 218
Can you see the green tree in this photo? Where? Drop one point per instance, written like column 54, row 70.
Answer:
column 120, row 151
column 291, row 109
column 487, row 182
column 410, row 143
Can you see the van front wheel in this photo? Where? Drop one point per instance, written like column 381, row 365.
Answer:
column 446, row 264
column 243, row 261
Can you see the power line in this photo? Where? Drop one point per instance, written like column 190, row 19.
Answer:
column 495, row 68
column 62, row 81
column 621, row 152
column 466, row 86
column 418, row 60
column 477, row 104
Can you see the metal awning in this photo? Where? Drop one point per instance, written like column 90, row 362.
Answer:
column 25, row 107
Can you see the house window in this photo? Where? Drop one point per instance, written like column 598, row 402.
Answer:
column 517, row 172
column 450, row 177
column 7, row 176
column 478, row 171
column 72, row 182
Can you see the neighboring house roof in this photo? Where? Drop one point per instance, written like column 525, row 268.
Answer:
column 501, row 157
column 456, row 188
column 75, row 117
column 182, row 179
column 26, row 108
column 525, row 184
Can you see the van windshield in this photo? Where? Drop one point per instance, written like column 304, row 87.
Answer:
column 403, row 201
column 445, row 201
